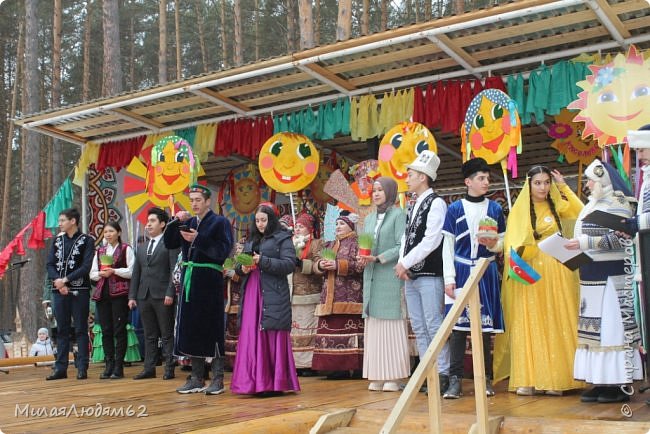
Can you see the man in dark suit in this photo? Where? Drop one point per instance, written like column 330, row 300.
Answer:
column 153, row 293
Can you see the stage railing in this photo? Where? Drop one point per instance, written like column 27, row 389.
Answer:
column 428, row 366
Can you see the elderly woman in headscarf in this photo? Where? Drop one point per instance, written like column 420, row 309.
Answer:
column 386, row 354
column 306, row 293
column 608, row 336
column 339, row 338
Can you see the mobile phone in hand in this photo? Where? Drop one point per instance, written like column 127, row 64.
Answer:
column 184, row 228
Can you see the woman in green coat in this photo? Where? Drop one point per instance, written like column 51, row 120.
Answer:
column 386, row 355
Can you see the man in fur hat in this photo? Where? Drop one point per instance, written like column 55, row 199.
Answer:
column 474, row 228
column 420, row 259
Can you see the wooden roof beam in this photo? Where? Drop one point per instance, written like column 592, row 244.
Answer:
column 609, row 19
column 222, row 100
column 136, row 119
column 326, row 76
column 57, row 134
column 457, row 53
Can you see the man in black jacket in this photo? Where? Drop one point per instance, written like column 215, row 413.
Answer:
column 68, row 266
column 152, row 287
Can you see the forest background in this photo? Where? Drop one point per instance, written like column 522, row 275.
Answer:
column 57, row 53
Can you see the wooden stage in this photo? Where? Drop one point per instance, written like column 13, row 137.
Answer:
column 28, row 403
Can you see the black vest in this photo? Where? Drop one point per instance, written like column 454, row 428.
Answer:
column 416, row 226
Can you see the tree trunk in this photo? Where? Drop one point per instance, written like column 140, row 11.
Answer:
column 291, row 25
column 344, row 23
column 57, row 158
column 85, row 86
column 409, row 11
column 427, row 10
column 132, row 53
column 224, row 44
column 306, row 24
column 177, row 24
column 458, row 7
column 238, row 58
column 317, row 23
column 198, row 4
column 162, row 41
column 258, row 41
column 30, row 283
column 384, row 14
column 365, row 17
column 112, row 57
column 6, row 193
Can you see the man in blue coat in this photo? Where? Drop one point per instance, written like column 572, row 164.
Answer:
column 205, row 241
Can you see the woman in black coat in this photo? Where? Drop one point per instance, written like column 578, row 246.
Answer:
column 264, row 361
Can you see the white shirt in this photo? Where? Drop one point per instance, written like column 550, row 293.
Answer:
column 124, row 273
column 432, row 234
column 156, row 240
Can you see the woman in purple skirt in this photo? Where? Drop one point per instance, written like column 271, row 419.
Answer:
column 264, row 362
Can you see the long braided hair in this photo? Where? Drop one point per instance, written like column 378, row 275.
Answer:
column 536, row 170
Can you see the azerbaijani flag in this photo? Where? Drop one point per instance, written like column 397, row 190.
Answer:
column 520, row 270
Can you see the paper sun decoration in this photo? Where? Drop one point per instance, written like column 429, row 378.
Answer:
column 170, row 168
column 400, row 146
column 288, row 162
column 615, row 99
column 492, row 129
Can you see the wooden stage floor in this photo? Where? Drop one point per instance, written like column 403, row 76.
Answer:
column 30, row 404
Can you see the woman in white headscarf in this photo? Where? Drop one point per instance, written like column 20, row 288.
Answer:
column 608, row 336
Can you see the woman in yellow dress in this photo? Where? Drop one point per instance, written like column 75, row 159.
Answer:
column 537, row 349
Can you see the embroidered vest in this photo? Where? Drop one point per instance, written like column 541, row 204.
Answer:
column 416, row 226
column 67, row 263
column 117, row 286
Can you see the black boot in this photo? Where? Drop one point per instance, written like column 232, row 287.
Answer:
column 169, row 371
column 216, row 387
column 108, row 368
column 118, row 372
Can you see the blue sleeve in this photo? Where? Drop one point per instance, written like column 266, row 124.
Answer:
column 215, row 242
column 171, row 236
column 449, row 225
column 52, row 272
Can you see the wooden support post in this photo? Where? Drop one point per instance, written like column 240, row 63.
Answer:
column 478, row 361
column 427, row 368
column 435, row 406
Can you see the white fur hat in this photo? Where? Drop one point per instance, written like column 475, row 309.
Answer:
column 639, row 139
column 427, row 162
column 597, row 173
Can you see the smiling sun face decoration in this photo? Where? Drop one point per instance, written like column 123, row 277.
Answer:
column 400, row 146
column 288, row 162
column 172, row 166
column 491, row 129
column 615, row 99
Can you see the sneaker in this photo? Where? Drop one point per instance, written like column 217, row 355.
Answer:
column 454, row 391
column 215, row 388
column 489, row 390
column 192, row 386
column 390, row 386
column 376, row 386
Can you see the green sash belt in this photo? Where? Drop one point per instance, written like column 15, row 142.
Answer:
column 189, row 267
